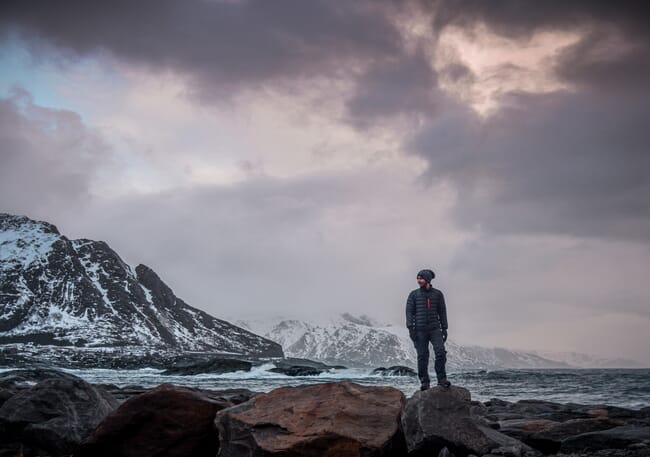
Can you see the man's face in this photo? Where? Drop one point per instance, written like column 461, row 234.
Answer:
column 421, row 281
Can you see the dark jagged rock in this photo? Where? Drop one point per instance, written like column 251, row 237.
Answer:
column 297, row 361
column 395, row 370
column 440, row 417
column 294, row 366
column 506, row 446
column 530, row 408
column 614, row 438
column 128, row 358
column 123, row 393
column 558, row 427
column 53, row 416
column 630, row 452
column 168, row 420
column 214, row 365
column 338, row 419
column 297, row 370
column 547, row 436
column 235, row 396
column 80, row 293
column 13, row 381
column 27, row 377
column 123, row 358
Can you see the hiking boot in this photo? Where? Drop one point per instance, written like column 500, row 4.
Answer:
column 444, row 382
column 424, row 386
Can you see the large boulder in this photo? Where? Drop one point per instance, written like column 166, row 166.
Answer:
column 30, row 376
column 52, row 416
column 440, row 417
column 168, row 420
column 334, row 419
column 13, row 381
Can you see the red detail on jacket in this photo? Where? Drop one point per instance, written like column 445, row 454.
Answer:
column 428, row 303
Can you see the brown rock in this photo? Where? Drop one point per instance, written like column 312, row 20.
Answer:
column 334, row 419
column 168, row 420
column 598, row 412
column 529, row 425
column 522, row 429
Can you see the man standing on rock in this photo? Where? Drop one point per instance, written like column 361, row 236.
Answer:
column 426, row 319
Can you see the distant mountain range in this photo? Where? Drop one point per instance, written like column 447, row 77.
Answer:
column 57, row 291
column 364, row 342
column 578, row 359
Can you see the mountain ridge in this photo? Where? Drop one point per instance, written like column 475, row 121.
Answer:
column 54, row 290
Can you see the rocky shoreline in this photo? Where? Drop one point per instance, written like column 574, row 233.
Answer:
column 182, row 363
column 46, row 412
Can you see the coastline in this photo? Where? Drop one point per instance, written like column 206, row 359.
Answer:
column 628, row 388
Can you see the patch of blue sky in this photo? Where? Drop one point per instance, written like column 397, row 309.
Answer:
column 51, row 80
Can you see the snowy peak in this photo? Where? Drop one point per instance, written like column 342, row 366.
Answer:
column 363, row 319
column 343, row 339
column 80, row 292
column 21, row 223
column 24, row 241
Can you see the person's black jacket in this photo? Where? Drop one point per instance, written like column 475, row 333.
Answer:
column 426, row 309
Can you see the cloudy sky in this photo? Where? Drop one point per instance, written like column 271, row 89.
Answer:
column 308, row 158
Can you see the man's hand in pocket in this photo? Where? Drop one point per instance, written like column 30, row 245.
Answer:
column 412, row 333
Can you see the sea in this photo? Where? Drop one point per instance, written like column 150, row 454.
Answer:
column 628, row 388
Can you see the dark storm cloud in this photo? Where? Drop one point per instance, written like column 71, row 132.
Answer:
column 611, row 60
column 516, row 18
column 48, row 158
column 221, row 45
column 407, row 84
column 573, row 162
column 562, row 163
column 614, row 50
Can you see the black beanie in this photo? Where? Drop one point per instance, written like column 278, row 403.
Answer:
column 427, row 274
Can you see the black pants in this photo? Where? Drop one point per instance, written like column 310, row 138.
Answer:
column 422, row 339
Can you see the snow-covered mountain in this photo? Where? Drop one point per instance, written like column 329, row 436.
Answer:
column 363, row 342
column 58, row 291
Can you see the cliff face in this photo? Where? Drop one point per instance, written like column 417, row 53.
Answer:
column 58, row 291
